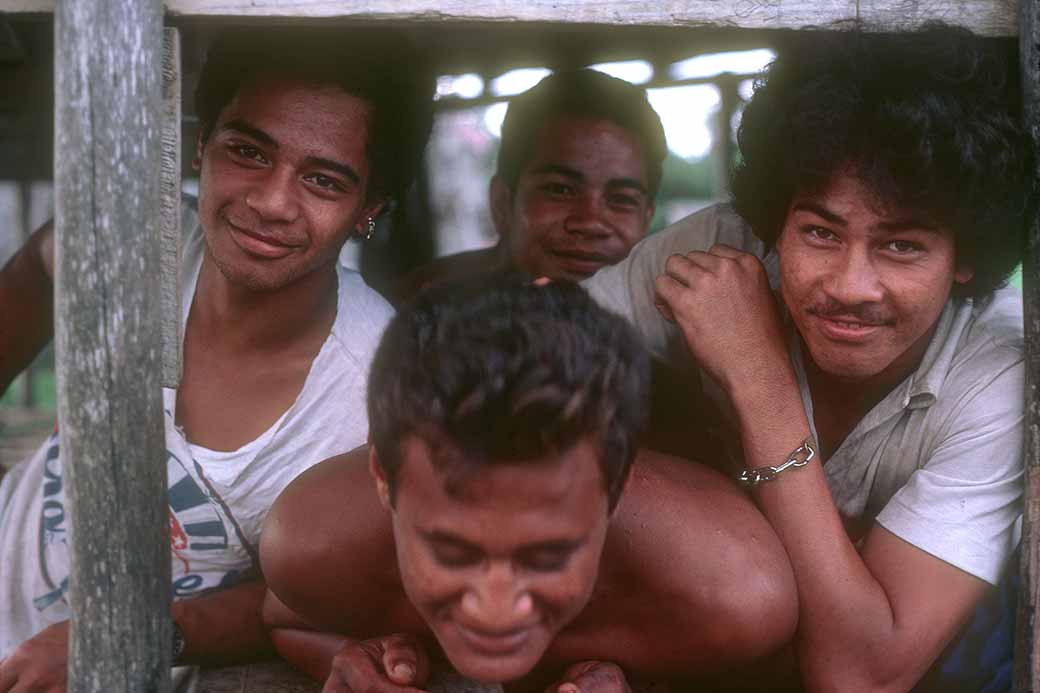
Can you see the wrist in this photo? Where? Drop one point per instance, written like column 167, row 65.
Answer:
column 762, row 391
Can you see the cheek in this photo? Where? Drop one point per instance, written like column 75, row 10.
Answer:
column 536, row 216
column 630, row 229
column 920, row 304
column 792, row 289
column 567, row 594
column 421, row 579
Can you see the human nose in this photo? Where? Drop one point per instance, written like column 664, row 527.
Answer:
column 854, row 279
column 497, row 601
column 273, row 197
column 586, row 216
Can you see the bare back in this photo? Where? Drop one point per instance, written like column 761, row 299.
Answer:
column 684, row 551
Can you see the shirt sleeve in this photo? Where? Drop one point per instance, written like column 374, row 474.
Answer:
column 964, row 504
column 627, row 288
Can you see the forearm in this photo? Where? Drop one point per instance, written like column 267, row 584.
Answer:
column 26, row 304
column 848, row 636
column 308, row 650
column 224, row 627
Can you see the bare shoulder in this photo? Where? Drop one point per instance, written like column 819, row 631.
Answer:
column 327, row 543
column 679, row 520
column 692, row 578
column 329, row 493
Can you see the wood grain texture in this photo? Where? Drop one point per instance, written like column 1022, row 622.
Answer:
column 170, row 210
column 1027, row 642
column 108, row 112
column 989, row 17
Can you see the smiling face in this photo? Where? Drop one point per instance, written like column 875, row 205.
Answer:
column 865, row 286
column 580, row 203
column 284, row 181
column 499, row 563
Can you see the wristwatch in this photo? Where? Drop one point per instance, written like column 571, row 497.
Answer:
column 178, row 643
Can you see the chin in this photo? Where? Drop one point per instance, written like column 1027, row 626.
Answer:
column 848, row 368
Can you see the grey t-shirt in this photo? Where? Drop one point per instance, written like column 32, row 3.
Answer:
column 938, row 462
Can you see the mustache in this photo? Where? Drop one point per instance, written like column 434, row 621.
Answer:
column 869, row 313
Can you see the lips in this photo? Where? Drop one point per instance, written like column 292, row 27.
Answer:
column 843, row 328
column 259, row 243
column 494, row 644
column 582, row 263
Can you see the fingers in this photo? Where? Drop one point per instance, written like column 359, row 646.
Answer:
column 667, row 292
column 696, row 270
column 405, row 661
column 592, row 677
column 680, row 267
column 729, row 252
column 664, row 309
column 391, row 664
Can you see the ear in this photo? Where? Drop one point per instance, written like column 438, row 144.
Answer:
column 376, row 470
column 500, row 199
column 963, row 274
column 371, row 211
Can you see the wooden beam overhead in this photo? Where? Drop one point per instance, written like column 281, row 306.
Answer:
column 988, row 17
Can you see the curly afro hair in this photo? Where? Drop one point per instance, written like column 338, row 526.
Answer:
column 927, row 120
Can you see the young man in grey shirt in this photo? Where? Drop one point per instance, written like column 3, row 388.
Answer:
column 846, row 309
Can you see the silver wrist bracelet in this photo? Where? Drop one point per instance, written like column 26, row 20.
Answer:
column 804, row 454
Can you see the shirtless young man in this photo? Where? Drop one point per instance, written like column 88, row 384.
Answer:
column 578, row 170
column 496, row 533
column 884, row 193
column 305, row 135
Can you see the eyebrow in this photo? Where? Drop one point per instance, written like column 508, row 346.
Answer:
column 440, row 536
column 819, row 210
column 894, row 226
column 908, row 224
column 243, row 127
column 571, row 173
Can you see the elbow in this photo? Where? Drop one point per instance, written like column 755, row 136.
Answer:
column 824, row 669
column 831, row 679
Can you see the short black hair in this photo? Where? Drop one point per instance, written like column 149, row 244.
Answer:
column 494, row 371
column 927, row 120
column 379, row 65
column 584, row 93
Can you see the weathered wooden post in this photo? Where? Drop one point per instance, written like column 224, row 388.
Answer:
column 108, row 106
column 1027, row 644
